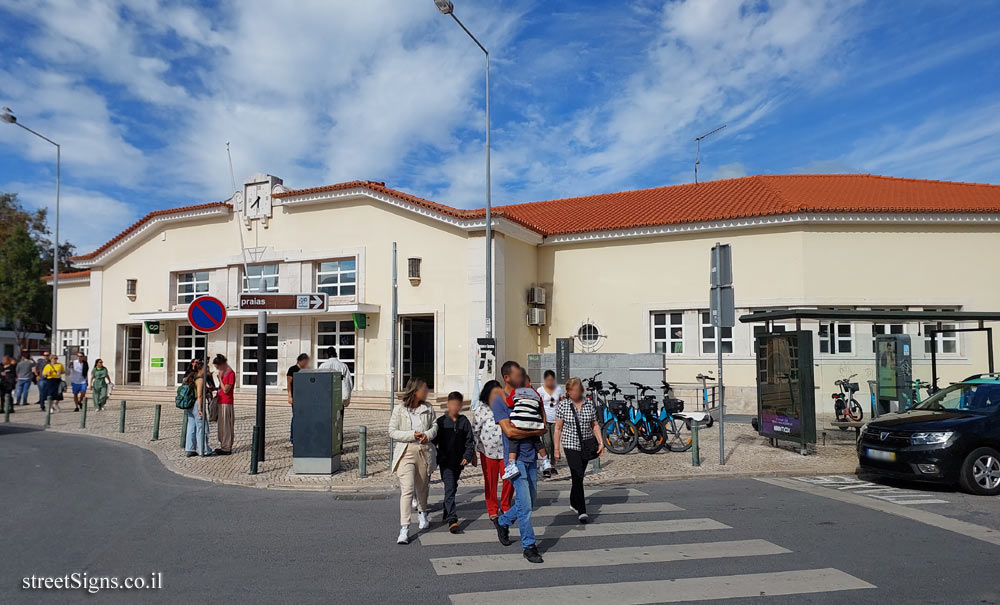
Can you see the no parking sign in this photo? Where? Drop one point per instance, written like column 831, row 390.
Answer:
column 207, row 314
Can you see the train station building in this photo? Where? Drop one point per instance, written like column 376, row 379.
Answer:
column 623, row 272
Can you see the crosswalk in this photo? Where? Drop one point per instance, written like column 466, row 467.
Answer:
column 569, row 546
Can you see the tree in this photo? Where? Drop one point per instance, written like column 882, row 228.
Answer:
column 24, row 297
column 13, row 214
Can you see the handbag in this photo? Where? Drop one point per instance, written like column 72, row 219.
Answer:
column 213, row 409
column 588, row 446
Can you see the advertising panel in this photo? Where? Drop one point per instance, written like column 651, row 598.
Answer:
column 785, row 398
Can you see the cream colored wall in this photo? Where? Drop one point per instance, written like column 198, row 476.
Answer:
column 74, row 306
column 520, row 261
column 296, row 238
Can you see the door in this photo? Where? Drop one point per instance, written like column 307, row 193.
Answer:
column 190, row 344
column 417, row 349
column 133, row 354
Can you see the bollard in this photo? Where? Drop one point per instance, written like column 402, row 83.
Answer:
column 597, row 464
column 83, row 415
column 362, row 451
column 6, row 410
column 121, row 418
column 156, row 422
column 184, row 430
column 48, row 412
column 695, row 455
column 253, row 450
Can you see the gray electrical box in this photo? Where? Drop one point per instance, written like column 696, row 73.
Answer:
column 317, row 422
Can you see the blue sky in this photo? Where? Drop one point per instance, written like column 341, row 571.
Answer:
column 587, row 96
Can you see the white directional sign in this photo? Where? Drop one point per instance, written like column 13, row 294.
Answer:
column 308, row 301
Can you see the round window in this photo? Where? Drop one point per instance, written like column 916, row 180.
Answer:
column 588, row 334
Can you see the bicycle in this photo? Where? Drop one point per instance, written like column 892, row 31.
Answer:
column 650, row 437
column 617, row 429
column 676, row 429
column 845, row 406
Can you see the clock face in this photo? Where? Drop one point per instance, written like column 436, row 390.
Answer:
column 257, row 200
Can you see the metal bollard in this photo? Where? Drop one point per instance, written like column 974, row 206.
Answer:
column 121, row 418
column 83, row 414
column 6, row 410
column 597, row 464
column 48, row 412
column 156, row 422
column 253, row 450
column 695, row 454
column 363, row 451
column 184, row 429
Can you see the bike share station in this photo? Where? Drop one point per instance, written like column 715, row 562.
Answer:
column 785, row 376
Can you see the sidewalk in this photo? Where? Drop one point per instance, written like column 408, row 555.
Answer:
column 747, row 453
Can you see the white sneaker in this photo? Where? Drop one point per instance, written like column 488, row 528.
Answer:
column 546, row 464
column 404, row 535
column 583, row 518
column 425, row 521
column 413, row 503
column 510, row 472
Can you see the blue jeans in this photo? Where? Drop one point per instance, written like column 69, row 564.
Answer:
column 197, row 432
column 524, row 500
column 21, row 393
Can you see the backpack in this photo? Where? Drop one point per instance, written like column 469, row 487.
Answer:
column 527, row 413
column 185, row 397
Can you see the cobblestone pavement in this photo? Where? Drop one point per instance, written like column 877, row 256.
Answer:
column 747, row 453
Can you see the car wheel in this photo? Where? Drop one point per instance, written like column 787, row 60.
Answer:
column 980, row 473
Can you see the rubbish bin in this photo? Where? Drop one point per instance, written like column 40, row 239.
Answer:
column 317, row 422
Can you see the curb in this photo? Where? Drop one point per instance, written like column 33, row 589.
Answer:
column 355, row 491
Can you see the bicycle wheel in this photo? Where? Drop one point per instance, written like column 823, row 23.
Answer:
column 651, row 436
column 855, row 411
column 678, row 435
column 620, row 436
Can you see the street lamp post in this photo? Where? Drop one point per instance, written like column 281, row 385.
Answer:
column 8, row 116
column 447, row 8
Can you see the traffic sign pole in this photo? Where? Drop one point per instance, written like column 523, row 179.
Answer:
column 261, row 379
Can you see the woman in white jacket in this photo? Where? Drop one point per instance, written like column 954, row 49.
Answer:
column 412, row 428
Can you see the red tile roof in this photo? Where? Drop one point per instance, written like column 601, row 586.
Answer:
column 740, row 198
column 69, row 275
column 143, row 221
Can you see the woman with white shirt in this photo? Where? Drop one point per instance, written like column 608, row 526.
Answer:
column 412, row 428
column 489, row 444
column 550, row 393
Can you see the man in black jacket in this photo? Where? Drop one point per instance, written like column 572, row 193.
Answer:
column 456, row 447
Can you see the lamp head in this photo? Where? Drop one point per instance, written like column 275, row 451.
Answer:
column 445, row 6
column 7, row 115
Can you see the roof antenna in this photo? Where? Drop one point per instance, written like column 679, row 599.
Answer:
column 697, row 150
column 243, row 246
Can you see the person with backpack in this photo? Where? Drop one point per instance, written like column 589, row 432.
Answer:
column 189, row 398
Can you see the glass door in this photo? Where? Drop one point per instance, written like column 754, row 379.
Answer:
column 133, row 354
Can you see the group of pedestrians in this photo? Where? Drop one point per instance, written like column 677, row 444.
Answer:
column 567, row 426
column 53, row 380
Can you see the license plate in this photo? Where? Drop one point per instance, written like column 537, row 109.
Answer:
column 880, row 455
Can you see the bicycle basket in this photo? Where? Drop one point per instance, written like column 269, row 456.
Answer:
column 673, row 405
column 617, row 406
column 853, row 387
column 648, row 406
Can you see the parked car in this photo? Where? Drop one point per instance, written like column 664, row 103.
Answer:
column 951, row 437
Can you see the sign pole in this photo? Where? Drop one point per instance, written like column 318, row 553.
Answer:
column 261, row 378
column 395, row 326
column 722, row 390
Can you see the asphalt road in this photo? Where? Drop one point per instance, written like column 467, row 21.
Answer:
column 81, row 504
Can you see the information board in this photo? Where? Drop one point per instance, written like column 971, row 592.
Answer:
column 894, row 373
column 786, row 401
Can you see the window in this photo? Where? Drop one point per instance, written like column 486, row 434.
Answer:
column 413, row 268
column 337, row 277
column 878, row 329
column 337, row 334
column 268, row 274
column 835, row 337
column 190, row 345
column 708, row 336
column 588, row 334
column 74, row 338
column 190, row 286
column 668, row 333
column 249, row 355
column 945, row 341
column 131, row 287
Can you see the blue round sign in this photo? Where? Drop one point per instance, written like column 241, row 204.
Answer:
column 207, row 314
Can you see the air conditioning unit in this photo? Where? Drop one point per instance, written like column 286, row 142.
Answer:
column 536, row 317
column 536, row 296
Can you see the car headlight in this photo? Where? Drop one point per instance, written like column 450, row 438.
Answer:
column 930, row 438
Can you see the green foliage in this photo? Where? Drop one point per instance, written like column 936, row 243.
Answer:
column 24, row 298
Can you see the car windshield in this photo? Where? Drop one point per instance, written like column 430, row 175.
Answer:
column 964, row 397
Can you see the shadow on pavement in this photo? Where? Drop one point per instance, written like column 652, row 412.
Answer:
column 15, row 428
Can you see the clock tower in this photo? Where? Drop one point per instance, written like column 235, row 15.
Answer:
column 254, row 202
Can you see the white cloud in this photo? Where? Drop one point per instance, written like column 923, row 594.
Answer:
column 729, row 171
column 86, row 218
